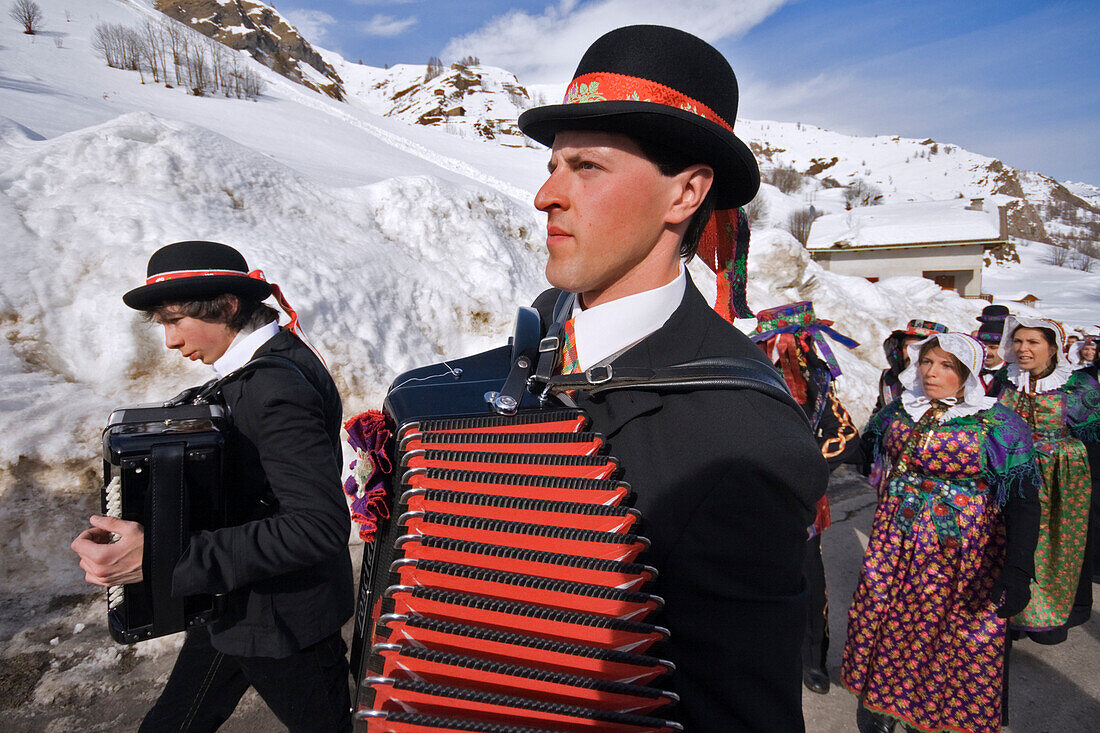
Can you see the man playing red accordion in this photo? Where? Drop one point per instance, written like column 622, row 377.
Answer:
column 642, row 152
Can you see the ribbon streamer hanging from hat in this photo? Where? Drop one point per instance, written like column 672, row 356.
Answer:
column 293, row 324
column 724, row 246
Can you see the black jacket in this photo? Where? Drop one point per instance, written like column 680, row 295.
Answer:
column 285, row 564
column 726, row 481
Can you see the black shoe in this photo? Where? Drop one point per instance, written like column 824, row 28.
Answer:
column 816, row 679
column 882, row 724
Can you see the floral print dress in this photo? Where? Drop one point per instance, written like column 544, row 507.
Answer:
column 925, row 645
column 1062, row 421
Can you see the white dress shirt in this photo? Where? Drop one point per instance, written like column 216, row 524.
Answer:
column 242, row 348
column 605, row 330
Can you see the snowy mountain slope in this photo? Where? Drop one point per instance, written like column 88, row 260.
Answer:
column 1085, row 191
column 1070, row 296
column 906, row 169
column 263, row 32
column 469, row 101
column 55, row 90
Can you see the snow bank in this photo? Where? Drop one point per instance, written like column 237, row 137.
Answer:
column 385, row 276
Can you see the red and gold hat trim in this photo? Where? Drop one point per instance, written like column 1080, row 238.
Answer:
column 602, row 86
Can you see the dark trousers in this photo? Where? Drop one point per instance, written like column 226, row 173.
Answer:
column 307, row 691
column 815, row 642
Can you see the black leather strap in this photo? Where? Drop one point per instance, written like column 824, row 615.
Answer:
column 711, row 373
column 550, row 348
column 166, row 537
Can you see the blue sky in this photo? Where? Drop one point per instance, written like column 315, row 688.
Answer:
column 1012, row 79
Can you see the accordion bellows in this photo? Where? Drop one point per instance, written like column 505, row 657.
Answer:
column 506, row 595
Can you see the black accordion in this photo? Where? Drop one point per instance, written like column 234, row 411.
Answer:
column 504, row 594
column 163, row 467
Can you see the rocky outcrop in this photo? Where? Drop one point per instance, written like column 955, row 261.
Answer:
column 468, row 100
column 1024, row 222
column 260, row 30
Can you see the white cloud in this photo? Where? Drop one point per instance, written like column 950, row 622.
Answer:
column 313, row 25
column 386, row 26
column 545, row 48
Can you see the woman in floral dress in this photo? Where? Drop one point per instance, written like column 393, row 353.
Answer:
column 1062, row 408
column 950, row 552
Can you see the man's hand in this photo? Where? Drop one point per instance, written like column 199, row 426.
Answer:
column 106, row 562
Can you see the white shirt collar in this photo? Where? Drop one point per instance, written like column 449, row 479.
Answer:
column 606, row 329
column 243, row 346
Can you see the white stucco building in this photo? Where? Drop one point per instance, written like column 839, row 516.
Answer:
column 943, row 241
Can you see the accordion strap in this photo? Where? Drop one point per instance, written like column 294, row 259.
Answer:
column 711, row 373
column 165, row 540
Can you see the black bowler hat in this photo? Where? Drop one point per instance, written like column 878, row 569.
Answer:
column 994, row 314
column 991, row 332
column 662, row 85
column 196, row 271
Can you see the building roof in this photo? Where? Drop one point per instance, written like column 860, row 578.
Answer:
column 911, row 224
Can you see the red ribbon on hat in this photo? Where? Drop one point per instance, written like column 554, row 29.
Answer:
column 183, row 274
column 604, row 86
column 294, row 326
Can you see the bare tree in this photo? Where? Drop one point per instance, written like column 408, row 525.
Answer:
column 154, row 36
column 28, row 14
column 785, row 178
column 756, row 210
column 799, row 223
column 104, row 41
column 1057, row 255
column 1086, row 255
column 203, row 65
column 435, row 68
column 197, row 69
column 173, row 39
column 861, row 193
column 151, row 51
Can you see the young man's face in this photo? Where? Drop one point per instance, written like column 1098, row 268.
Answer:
column 193, row 338
column 608, row 215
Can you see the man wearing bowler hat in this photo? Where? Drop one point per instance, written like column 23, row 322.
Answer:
column 990, row 333
column 642, row 151
column 283, row 564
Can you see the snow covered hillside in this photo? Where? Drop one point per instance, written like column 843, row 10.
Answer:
column 465, row 100
column 398, row 242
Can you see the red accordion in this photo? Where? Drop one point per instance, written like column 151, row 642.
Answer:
column 503, row 594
